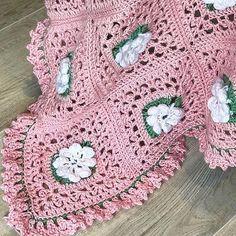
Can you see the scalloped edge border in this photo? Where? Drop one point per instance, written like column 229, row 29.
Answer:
column 20, row 215
column 215, row 156
column 37, row 54
column 37, row 58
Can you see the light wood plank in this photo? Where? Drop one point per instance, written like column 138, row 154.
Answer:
column 19, row 87
column 228, row 229
column 13, row 10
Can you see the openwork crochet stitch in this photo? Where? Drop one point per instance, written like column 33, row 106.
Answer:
column 123, row 81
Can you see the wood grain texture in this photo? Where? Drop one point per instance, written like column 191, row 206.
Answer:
column 19, row 87
column 228, row 229
column 197, row 201
column 12, row 11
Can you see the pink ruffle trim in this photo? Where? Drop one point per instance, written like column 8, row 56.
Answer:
column 21, row 212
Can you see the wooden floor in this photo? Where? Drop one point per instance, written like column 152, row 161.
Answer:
column 197, row 201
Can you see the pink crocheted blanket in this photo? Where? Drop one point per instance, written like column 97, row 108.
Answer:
column 123, row 81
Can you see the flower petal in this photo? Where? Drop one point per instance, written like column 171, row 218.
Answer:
column 212, row 103
column 163, row 110
column 63, row 172
column 65, row 60
column 219, row 118
column 146, row 37
column 62, row 89
column 175, row 116
column 74, row 178
column 138, row 45
column 64, row 152
column 75, row 149
column 127, row 47
column 157, row 128
column 153, row 111
column 218, row 84
column 64, row 79
column 222, row 95
column 166, row 127
column 119, row 57
column 123, row 63
column 84, row 172
column 151, row 120
column 220, row 6
column 132, row 57
column 60, row 161
column 88, row 152
column 64, row 69
column 221, row 113
column 89, row 162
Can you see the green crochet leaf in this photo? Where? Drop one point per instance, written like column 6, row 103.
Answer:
column 168, row 101
column 117, row 48
column 86, row 144
column 140, row 30
column 83, row 210
column 231, row 96
column 210, row 7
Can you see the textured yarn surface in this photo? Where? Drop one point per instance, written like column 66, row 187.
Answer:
column 191, row 46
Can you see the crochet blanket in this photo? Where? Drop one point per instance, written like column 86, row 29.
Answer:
column 123, row 82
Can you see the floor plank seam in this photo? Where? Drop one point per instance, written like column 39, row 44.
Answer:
column 225, row 225
column 21, row 19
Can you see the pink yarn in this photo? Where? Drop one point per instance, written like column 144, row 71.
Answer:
column 190, row 47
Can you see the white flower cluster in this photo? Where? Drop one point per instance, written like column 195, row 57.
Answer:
column 63, row 77
column 129, row 53
column 75, row 163
column 221, row 4
column 219, row 103
column 164, row 117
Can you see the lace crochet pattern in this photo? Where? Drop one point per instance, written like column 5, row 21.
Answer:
column 118, row 133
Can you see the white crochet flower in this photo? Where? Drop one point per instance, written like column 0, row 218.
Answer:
column 164, row 117
column 129, row 53
column 74, row 163
column 218, row 103
column 63, row 76
column 221, row 4
column 140, row 43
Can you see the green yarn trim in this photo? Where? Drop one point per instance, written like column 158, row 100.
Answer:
column 168, row 101
column 142, row 29
column 101, row 204
column 66, row 93
column 62, row 180
column 231, row 96
column 210, row 7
